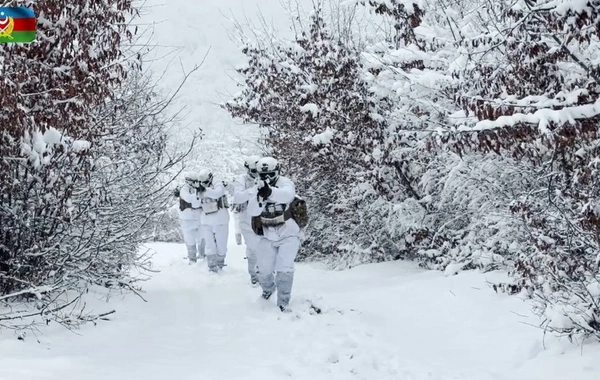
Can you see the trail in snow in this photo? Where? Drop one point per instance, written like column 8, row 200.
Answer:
column 383, row 321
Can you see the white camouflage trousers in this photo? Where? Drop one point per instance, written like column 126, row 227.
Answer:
column 192, row 237
column 278, row 257
column 216, row 245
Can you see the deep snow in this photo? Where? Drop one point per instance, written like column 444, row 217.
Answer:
column 381, row 321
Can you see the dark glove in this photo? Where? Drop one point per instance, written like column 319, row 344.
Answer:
column 265, row 191
column 176, row 192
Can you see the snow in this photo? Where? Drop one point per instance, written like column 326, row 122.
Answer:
column 558, row 317
column 310, row 88
column 561, row 99
column 52, row 136
column 38, row 146
column 310, row 107
column 541, row 117
column 323, row 138
column 81, row 145
column 38, row 143
column 594, row 288
column 453, row 269
column 564, row 6
column 380, row 321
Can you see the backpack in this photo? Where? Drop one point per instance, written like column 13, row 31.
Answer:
column 299, row 211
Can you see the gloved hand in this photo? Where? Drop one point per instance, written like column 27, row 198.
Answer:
column 265, row 191
column 238, row 239
column 176, row 192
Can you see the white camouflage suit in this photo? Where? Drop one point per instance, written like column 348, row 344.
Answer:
column 278, row 246
column 243, row 190
column 214, row 225
column 190, row 223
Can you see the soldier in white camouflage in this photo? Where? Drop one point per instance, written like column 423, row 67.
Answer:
column 280, row 234
column 190, row 215
column 215, row 219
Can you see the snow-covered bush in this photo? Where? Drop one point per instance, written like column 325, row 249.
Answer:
column 377, row 188
column 530, row 92
column 413, row 69
column 469, row 224
column 318, row 120
column 131, row 176
column 82, row 161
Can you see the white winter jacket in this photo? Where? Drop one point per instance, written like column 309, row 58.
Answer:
column 189, row 194
column 209, row 198
column 283, row 192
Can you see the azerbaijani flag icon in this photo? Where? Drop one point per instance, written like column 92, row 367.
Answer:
column 17, row 24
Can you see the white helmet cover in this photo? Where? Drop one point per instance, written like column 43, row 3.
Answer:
column 250, row 165
column 268, row 169
column 250, row 162
column 191, row 178
column 205, row 176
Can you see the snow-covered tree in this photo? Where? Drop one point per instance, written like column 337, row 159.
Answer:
column 479, row 148
column 403, row 197
column 531, row 93
column 82, row 160
column 440, row 199
column 319, row 121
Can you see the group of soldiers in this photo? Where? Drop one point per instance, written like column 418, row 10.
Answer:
column 270, row 216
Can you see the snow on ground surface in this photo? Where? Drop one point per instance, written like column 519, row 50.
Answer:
column 378, row 322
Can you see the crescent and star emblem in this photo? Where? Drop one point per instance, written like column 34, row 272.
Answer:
column 7, row 24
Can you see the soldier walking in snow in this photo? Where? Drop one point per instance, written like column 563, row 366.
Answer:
column 215, row 219
column 243, row 190
column 190, row 216
column 279, row 233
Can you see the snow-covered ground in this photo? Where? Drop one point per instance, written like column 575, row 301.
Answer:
column 382, row 321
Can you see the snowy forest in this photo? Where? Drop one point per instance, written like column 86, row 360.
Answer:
column 458, row 134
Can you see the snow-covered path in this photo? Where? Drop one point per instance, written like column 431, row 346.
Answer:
column 383, row 321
